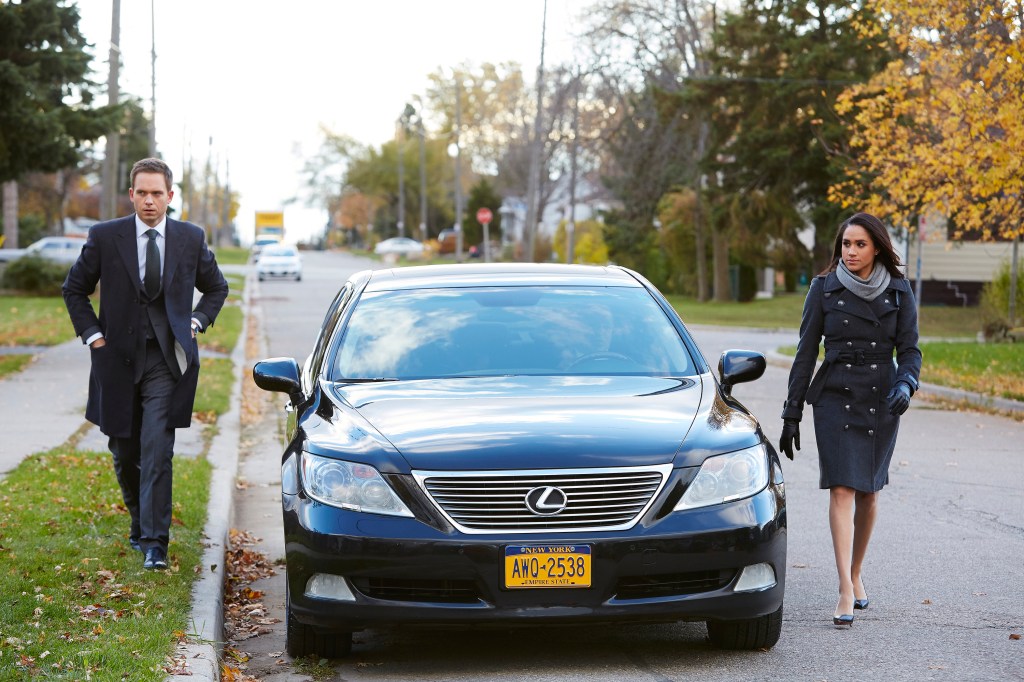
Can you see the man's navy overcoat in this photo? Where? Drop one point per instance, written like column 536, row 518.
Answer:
column 110, row 257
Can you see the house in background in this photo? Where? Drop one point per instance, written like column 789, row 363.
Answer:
column 953, row 271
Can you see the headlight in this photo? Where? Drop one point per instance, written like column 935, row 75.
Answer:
column 727, row 477
column 350, row 486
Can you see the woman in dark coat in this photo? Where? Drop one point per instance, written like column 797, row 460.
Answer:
column 864, row 308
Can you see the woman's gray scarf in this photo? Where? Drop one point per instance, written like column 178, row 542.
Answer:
column 869, row 289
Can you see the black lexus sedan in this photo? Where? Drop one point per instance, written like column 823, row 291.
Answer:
column 516, row 444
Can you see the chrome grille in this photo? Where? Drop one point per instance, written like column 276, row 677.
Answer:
column 494, row 502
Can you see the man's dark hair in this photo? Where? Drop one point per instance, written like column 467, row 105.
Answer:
column 153, row 166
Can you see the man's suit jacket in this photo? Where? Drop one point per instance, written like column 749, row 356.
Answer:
column 110, row 258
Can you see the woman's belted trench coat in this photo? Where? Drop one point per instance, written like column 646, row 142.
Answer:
column 855, row 433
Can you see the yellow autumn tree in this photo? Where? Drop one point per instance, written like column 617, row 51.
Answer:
column 942, row 128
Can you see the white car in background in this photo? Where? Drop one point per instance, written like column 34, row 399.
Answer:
column 279, row 260
column 57, row 249
column 399, row 246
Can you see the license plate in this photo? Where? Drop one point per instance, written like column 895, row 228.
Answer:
column 530, row 566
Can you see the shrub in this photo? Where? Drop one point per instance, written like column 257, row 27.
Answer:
column 995, row 301
column 34, row 275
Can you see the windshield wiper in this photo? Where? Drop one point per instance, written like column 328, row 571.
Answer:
column 367, row 380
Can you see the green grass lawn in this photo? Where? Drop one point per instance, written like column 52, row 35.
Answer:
column 9, row 364
column 34, row 321
column 231, row 255
column 77, row 603
column 995, row 369
column 224, row 333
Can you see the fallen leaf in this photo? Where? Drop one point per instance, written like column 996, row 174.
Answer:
column 799, row 565
column 927, row 601
column 1014, row 636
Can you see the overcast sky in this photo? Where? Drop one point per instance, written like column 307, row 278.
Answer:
column 261, row 77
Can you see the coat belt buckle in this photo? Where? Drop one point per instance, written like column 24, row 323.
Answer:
column 858, row 357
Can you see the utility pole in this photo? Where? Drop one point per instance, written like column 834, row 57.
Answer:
column 919, row 286
column 401, row 176
column 570, row 227
column 1014, row 273
column 423, row 177
column 535, row 148
column 152, row 71
column 224, row 234
column 108, row 207
column 458, row 170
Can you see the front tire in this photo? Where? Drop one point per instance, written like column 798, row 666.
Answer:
column 751, row 633
column 301, row 640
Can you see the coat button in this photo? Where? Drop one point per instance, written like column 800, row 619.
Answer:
column 876, row 324
column 849, row 344
column 874, row 366
column 849, row 366
column 886, row 300
column 846, row 427
column 872, row 410
column 846, row 388
column 871, row 432
column 874, row 389
column 828, row 295
column 873, row 344
column 846, row 323
column 842, row 303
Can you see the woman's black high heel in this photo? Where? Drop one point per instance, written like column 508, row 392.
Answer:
column 861, row 604
column 845, row 619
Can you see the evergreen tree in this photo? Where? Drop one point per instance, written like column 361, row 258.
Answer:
column 46, row 113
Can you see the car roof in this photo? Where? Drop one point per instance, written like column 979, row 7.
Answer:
column 499, row 274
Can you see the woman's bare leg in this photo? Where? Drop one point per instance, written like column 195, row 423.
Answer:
column 840, row 520
column 863, row 524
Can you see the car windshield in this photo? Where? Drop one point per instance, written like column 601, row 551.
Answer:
column 279, row 251
column 498, row 331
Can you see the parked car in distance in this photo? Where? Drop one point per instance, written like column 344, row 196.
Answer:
column 447, row 241
column 57, row 249
column 279, row 260
column 399, row 246
column 260, row 244
column 522, row 444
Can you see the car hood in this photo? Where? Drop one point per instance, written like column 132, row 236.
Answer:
column 518, row 422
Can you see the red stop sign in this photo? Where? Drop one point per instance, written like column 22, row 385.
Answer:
column 484, row 216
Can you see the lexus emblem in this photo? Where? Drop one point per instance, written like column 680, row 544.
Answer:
column 546, row 501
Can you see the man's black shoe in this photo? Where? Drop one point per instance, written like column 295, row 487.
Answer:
column 134, row 542
column 156, row 559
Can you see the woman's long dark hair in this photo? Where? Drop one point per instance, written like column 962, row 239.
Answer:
column 879, row 235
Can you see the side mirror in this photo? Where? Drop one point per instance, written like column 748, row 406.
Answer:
column 279, row 374
column 739, row 366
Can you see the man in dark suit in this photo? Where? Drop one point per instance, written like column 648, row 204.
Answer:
column 145, row 359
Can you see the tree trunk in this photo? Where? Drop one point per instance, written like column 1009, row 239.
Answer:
column 720, row 255
column 699, row 231
column 10, row 214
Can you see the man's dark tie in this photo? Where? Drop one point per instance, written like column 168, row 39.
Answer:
column 152, row 280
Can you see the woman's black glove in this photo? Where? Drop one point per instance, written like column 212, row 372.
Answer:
column 899, row 398
column 790, row 436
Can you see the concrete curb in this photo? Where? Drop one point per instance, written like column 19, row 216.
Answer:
column 975, row 399
column 206, row 629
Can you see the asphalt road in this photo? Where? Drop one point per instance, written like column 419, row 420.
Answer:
column 944, row 572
